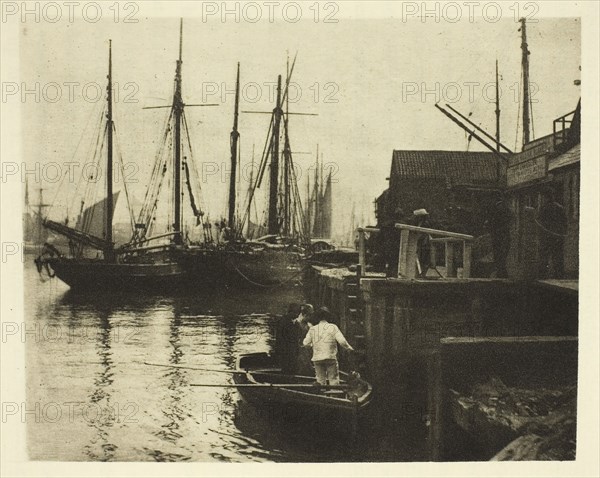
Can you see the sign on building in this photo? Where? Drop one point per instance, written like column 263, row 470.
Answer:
column 526, row 171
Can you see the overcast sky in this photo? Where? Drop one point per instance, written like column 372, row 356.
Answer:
column 365, row 78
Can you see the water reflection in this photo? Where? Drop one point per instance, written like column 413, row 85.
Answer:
column 212, row 303
column 100, row 396
column 158, row 415
column 174, row 382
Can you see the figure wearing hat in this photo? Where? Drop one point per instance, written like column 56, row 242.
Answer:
column 391, row 242
column 421, row 218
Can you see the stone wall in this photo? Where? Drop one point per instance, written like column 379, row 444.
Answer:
column 405, row 320
column 460, row 428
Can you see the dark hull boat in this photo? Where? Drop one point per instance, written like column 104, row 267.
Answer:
column 316, row 407
column 277, row 257
column 190, row 257
column 147, row 262
column 98, row 275
column 247, row 267
column 264, row 267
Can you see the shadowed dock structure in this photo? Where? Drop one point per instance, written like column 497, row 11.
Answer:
column 416, row 336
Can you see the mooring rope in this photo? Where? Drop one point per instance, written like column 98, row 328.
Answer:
column 267, row 286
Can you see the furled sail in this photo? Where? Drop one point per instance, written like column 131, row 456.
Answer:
column 326, row 206
column 29, row 227
column 322, row 211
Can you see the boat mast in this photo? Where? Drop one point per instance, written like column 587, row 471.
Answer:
column 27, row 231
column 273, row 225
column 234, row 149
column 26, row 195
column 322, row 176
column 525, row 66
column 323, row 204
column 497, row 110
column 287, row 159
column 286, row 184
column 250, row 192
column 109, row 255
column 40, row 218
column 178, row 113
column 352, row 226
column 308, row 207
column 317, row 217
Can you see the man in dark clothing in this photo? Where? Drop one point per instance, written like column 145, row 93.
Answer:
column 390, row 238
column 421, row 218
column 375, row 250
column 302, row 324
column 552, row 221
column 499, row 221
column 391, row 245
column 287, row 339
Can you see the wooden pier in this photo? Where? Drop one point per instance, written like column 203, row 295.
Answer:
column 399, row 323
column 408, row 262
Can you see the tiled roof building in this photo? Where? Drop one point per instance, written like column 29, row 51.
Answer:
column 451, row 185
column 455, row 167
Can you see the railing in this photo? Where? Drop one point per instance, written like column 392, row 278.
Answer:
column 408, row 261
column 560, row 128
column 362, row 249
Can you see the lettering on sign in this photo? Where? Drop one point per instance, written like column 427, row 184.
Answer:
column 532, row 152
column 526, row 171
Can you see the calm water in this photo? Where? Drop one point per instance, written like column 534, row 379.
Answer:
column 97, row 401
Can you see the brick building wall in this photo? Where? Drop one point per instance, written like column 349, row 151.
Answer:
column 454, row 186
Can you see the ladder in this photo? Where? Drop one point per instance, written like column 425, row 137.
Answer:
column 355, row 331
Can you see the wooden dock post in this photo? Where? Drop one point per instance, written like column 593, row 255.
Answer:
column 450, row 266
column 435, row 406
column 407, row 259
column 467, row 246
column 433, row 256
column 362, row 253
column 407, row 256
column 409, row 266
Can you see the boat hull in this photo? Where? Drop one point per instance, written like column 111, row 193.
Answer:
column 100, row 276
column 245, row 269
column 301, row 406
column 264, row 268
column 185, row 269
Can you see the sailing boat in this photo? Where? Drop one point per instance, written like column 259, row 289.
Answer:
column 34, row 234
column 274, row 259
column 134, row 266
column 322, row 203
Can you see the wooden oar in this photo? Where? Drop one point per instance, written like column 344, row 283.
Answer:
column 271, row 385
column 225, row 371
column 194, row 368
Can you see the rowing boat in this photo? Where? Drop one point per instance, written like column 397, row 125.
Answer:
column 261, row 382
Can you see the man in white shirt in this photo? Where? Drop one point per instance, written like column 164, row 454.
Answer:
column 324, row 338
